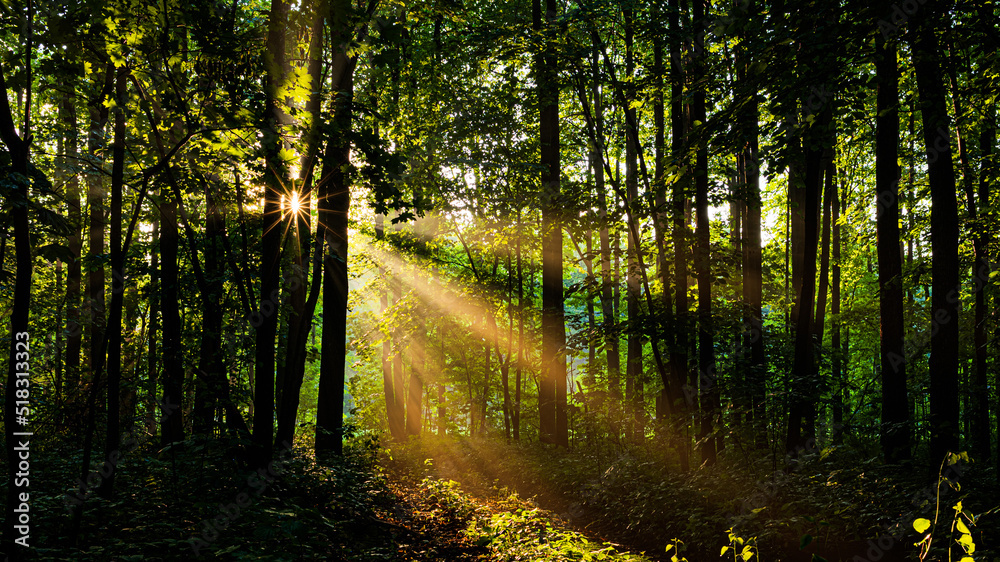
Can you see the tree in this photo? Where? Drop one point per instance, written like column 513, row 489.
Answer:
column 708, row 377
column 552, row 386
column 895, row 433
column 943, row 363
column 18, row 146
column 275, row 179
column 334, row 206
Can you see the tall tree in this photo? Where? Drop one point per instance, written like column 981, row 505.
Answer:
column 299, row 213
column 334, row 207
column 607, row 283
column 94, row 296
column 275, row 181
column 753, row 282
column 943, row 363
column 74, row 330
column 837, row 359
column 552, row 384
column 18, row 145
column 708, row 388
column 895, row 431
column 113, row 345
column 678, row 123
column 633, row 356
column 976, row 205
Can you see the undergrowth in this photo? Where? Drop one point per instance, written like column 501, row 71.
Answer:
column 513, row 530
column 832, row 503
column 198, row 500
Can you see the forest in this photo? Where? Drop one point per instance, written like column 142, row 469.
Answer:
column 537, row 280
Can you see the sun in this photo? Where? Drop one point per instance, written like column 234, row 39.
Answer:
column 294, row 204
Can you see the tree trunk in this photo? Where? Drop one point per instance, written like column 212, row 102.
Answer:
column 94, row 297
column 801, row 413
column 979, row 412
column 399, row 393
column 837, row 370
column 753, row 281
column 708, row 392
column 112, row 438
column 633, row 356
column 334, row 207
column 74, row 331
column 209, row 375
column 302, row 304
column 678, row 355
column 552, row 385
column 389, row 387
column 152, row 357
column 943, row 364
column 522, row 309
column 819, row 318
column 895, row 431
column 275, row 177
column 20, row 338
column 661, row 217
column 608, row 318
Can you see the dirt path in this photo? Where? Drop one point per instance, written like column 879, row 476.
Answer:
column 483, row 483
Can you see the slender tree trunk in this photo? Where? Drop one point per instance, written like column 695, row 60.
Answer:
column 895, row 432
column 662, row 216
column 388, row 381
column 552, row 386
column 152, row 357
column 943, row 365
column 753, row 287
column 633, row 356
column 275, row 177
column 979, row 412
column 335, row 205
column 678, row 355
column 522, row 309
column 708, row 390
column 819, row 318
column 837, row 370
column 94, row 297
column 505, row 365
column 302, row 307
column 173, row 370
column 112, row 438
column 20, row 337
column 74, row 330
column 987, row 173
column 209, row 373
column 399, row 393
column 796, row 206
column 801, row 414
column 608, row 317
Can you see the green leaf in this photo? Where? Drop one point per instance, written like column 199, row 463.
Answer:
column 724, row 549
column 921, row 525
column 804, row 542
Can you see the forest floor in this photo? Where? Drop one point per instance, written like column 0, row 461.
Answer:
column 200, row 501
column 826, row 506
column 487, row 500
